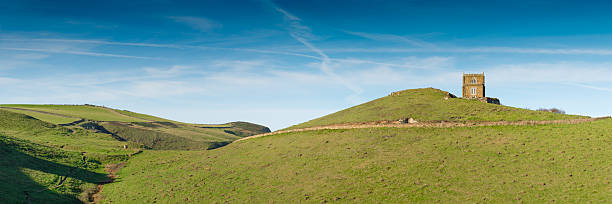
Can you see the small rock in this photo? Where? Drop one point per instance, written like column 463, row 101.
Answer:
column 412, row 121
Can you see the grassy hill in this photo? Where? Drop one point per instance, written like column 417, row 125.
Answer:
column 75, row 139
column 144, row 130
column 45, row 174
column 498, row 164
column 52, row 164
column 46, row 160
column 429, row 104
column 90, row 112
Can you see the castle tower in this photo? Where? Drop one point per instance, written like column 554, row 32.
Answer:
column 473, row 85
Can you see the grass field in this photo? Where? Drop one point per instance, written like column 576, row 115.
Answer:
column 568, row 163
column 428, row 104
column 161, row 140
column 50, row 118
column 44, row 162
column 498, row 164
column 144, row 116
column 21, row 126
column 144, row 130
column 53, row 164
column 80, row 111
column 47, row 174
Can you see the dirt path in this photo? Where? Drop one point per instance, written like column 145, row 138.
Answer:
column 112, row 170
column 428, row 124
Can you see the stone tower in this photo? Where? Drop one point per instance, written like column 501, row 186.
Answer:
column 473, row 85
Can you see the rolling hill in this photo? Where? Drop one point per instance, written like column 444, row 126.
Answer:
column 429, row 105
column 498, row 164
column 490, row 164
column 173, row 162
column 58, row 154
column 46, row 163
column 144, row 130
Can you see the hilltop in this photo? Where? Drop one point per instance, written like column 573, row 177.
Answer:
column 429, row 105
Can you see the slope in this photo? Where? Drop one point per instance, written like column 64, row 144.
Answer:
column 429, row 104
column 497, row 164
column 144, row 130
column 44, row 116
column 55, row 162
column 89, row 112
column 45, row 163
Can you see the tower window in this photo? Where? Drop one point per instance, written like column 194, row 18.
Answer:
column 473, row 81
column 473, row 91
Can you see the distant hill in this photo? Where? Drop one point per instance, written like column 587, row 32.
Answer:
column 97, row 113
column 145, row 130
column 429, row 104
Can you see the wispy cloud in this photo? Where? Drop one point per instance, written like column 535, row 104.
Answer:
column 170, row 72
column 393, row 38
column 30, row 56
column 287, row 14
column 502, row 50
column 102, row 42
column 558, row 72
column 6, row 80
column 154, row 45
column 20, row 60
column 302, row 33
column 56, row 51
column 429, row 63
column 198, row 23
column 591, row 87
column 241, row 65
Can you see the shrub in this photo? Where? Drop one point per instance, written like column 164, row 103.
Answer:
column 552, row 110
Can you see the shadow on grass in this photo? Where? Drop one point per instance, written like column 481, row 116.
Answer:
column 17, row 186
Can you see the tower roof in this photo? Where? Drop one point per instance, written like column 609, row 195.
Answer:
column 481, row 74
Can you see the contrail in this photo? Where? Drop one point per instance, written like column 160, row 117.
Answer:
column 300, row 33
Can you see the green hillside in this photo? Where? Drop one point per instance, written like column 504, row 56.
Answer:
column 497, row 164
column 144, row 130
column 90, row 112
column 174, row 162
column 76, row 139
column 46, row 174
column 52, row 164
column 429, row 104
column 47, row 117
column 46, row 160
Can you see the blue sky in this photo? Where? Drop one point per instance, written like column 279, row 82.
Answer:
column 279, row 63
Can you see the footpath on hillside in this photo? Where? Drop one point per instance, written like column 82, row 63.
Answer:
column 442, row 124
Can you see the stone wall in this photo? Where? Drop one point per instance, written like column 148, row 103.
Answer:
column 489, row 100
